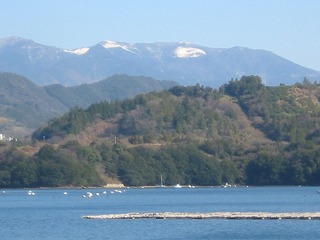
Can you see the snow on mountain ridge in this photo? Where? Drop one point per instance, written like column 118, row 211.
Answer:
column 78, row 51
column 106, row 44
column 160, row 60
column 189, row 52
column 112, row 44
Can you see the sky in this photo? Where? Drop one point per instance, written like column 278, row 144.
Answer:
column 288, row 28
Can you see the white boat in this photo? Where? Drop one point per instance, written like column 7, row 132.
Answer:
column 177, row 186
column 161, row 183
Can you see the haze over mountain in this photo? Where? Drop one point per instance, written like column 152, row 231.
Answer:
column 185, row 63
column 24, row 106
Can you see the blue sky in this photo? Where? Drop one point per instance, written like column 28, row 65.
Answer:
column 289, row 28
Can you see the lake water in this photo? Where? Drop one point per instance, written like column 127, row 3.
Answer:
column 50, row 214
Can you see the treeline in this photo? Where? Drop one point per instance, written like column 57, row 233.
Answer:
column 68, row 165
column 191, row 163
column 184, row 164
column 74, row 165
column 294, row 165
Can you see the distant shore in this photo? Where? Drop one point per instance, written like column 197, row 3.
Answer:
column 114, row 186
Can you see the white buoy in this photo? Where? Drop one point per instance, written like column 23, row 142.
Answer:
column 89, row 194
column 30, row 193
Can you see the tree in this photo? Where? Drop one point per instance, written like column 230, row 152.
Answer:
column 246, row 85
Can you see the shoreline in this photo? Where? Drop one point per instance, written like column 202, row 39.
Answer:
column 114, row 186
column 211, row 215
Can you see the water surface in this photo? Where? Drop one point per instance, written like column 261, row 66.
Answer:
column 50, row 214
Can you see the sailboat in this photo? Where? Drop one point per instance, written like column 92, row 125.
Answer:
column 161, row 183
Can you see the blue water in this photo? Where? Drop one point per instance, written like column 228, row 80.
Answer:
column 50, row 214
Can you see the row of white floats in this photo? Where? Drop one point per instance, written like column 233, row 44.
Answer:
column 87, row 195
column 90, row 194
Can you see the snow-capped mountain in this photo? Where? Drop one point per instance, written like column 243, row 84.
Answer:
column 185, row 63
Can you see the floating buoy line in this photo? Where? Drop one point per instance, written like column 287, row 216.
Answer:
column 211, row 215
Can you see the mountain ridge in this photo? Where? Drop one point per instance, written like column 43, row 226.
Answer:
column 185, row 63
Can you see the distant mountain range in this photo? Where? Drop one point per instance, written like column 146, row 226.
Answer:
column 185, row 63
column 25, row 106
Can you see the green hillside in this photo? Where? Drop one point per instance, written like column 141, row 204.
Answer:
column 243, row 133
column 65, row 96
column 115, row 87
column 23, row 102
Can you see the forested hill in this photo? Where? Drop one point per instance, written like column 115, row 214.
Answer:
column 243, row 133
